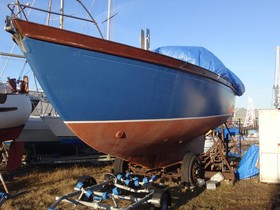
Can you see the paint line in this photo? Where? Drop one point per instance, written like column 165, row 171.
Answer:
column 145, row 120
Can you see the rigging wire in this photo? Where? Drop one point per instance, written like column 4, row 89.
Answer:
column 12, row 49
column 87, row 16
column 21, row 72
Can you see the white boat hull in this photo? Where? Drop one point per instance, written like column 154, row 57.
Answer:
column 15, row 110
column 58, row 127
column 36, row 130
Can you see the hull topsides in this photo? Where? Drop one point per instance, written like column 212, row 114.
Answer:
column 134, row 109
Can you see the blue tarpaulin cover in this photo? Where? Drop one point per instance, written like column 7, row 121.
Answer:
column 248, row 165
column 202, row 57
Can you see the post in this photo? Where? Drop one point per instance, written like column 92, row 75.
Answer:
column 108, row 19
column 61, row 14
column 49, row 14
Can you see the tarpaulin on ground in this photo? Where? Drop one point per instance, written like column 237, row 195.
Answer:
column 248, row 166
column 202, row 57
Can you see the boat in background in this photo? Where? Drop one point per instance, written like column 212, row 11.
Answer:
column 15, row 108
column 16, row 103
column 36, row 130
column 60, row 130
column 44, row 124
column 148, row 108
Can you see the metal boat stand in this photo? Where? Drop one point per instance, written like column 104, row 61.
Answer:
column 4, row 158
column 3, row 195
column 3, row 183
column 216, row 158
column 123, row 191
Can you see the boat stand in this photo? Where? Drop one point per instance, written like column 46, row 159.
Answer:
column 216, row 158
column 117, row 192
column 3, row 195
column 4, row 160
column 3, row 183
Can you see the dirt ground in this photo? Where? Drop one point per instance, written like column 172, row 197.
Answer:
column 37, row 187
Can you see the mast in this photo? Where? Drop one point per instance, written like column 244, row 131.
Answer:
column 61, row 14
column 108, row 19
column 17, row 2
column 276, row 86
column 49, row 14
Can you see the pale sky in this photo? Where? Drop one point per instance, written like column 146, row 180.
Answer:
column 243, row 34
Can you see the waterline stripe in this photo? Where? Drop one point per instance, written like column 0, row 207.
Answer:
column 146, row 120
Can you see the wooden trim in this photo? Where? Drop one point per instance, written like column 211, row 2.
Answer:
column 64, row 37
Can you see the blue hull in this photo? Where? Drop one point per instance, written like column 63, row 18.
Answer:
column 90, row 86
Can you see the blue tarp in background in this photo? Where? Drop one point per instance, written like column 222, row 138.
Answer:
column 248, row 165
column 202, row 57
column 233, row 131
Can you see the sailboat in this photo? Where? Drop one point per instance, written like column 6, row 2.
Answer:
column 15, row 109
column 15, row 105
column 145, row 107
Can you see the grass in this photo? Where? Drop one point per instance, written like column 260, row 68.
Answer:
column 245, row 194
column 40, row 186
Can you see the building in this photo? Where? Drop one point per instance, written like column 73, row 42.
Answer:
column 239, row 115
